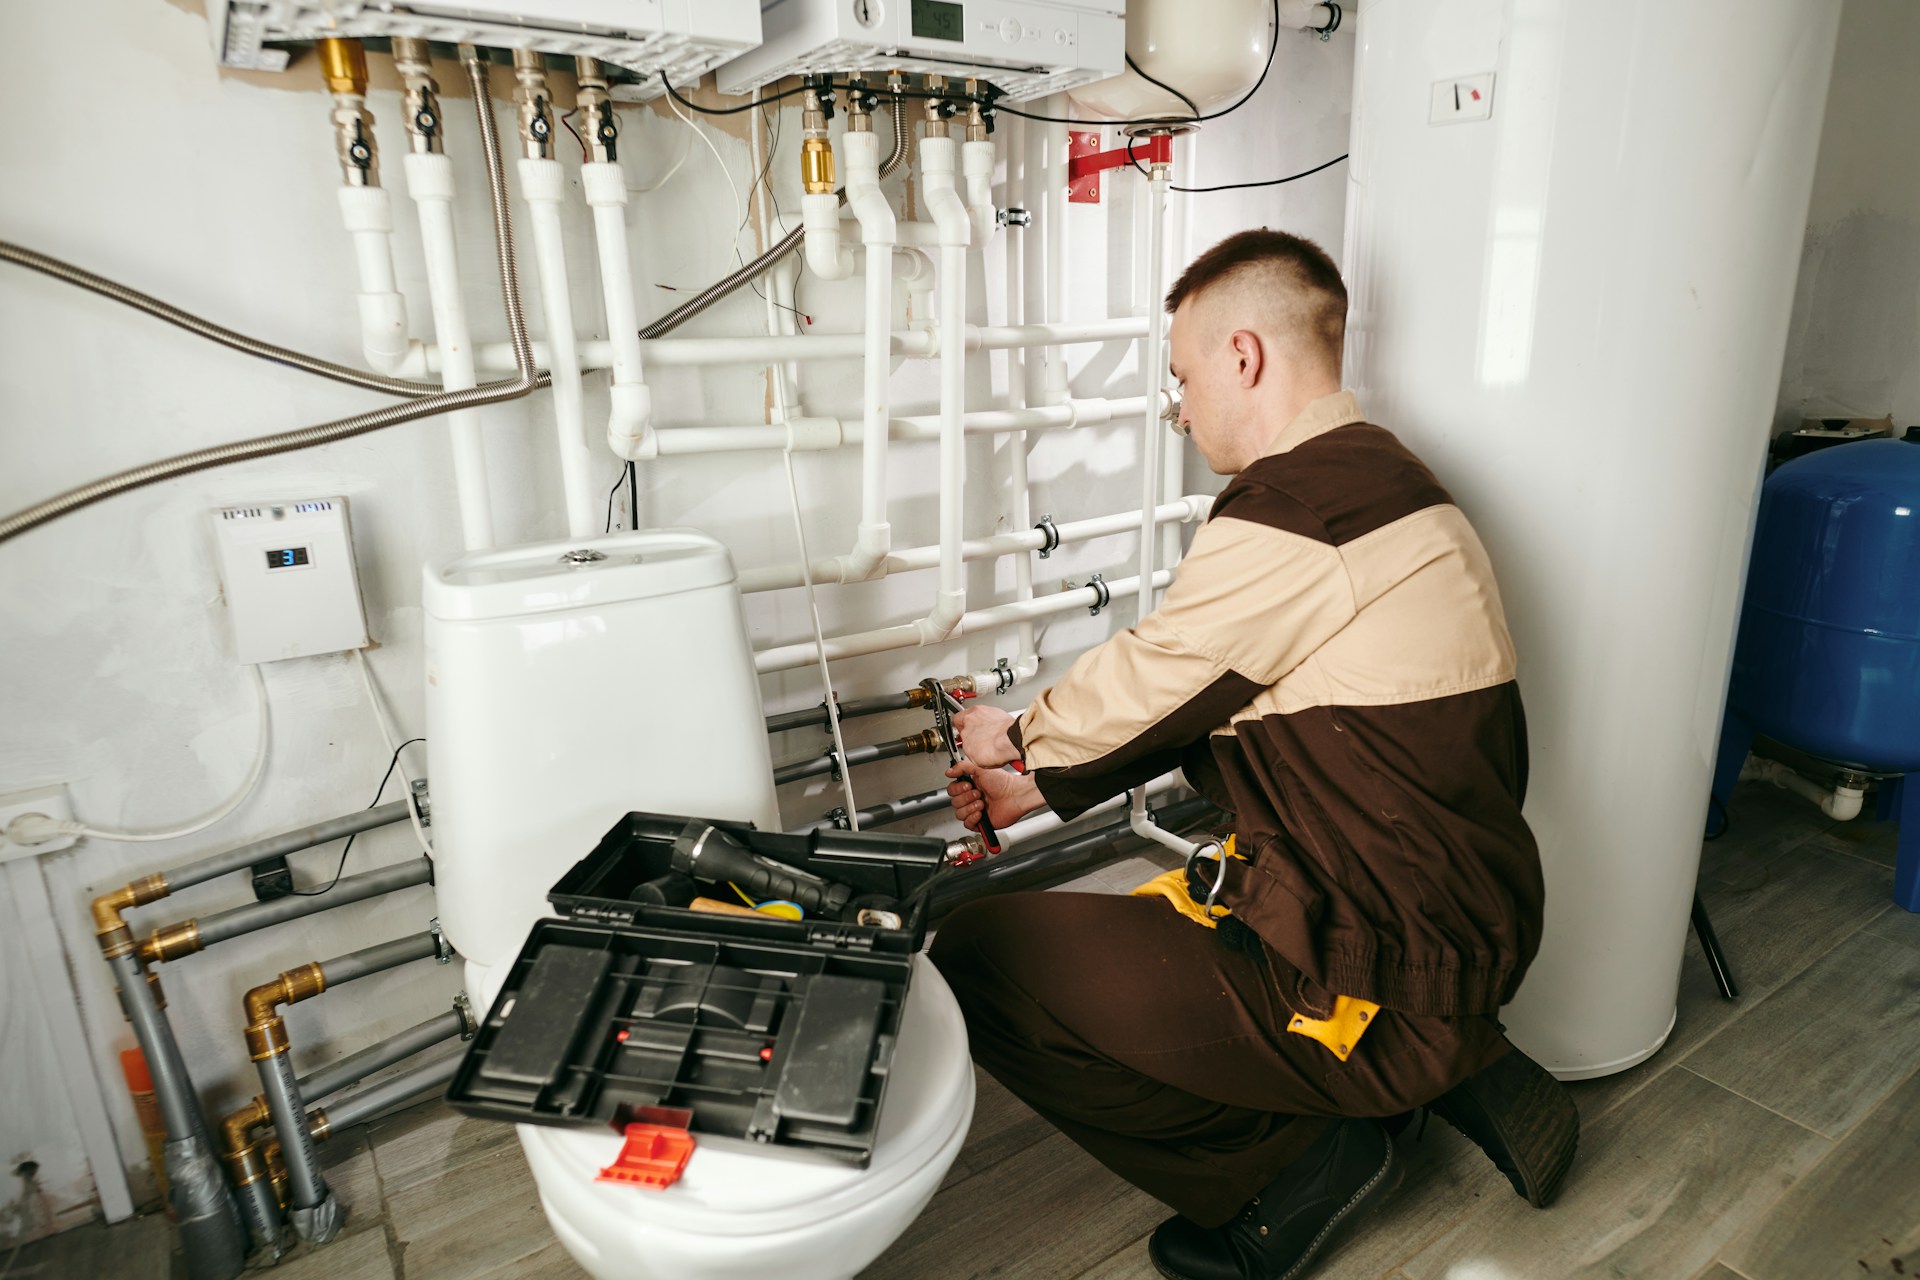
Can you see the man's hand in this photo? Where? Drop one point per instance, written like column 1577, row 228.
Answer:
column 982, row 732
column 1009, row 797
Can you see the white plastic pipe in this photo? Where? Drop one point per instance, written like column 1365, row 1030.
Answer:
column 1153, row 364
column 877, row 231
column 1842, row 804
column 424, row 359
column 544, row 183
column 833, row 433
column 907, row 560
column 629, row 425
column 368, row 215
column 976, row 168
column 949, row 213
column 1303, row 15
column 1046, row 821
column 1026, row 661
column 977, row 622
column 430, row 183
column 1054, row 228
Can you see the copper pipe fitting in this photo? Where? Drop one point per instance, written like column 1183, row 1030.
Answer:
column 242, row 1156
column 816, row 153
column 266, row 1030
column 317, row 1124
column 116, row 939
column 924, row 742
column 170, row 942
column 343, row 64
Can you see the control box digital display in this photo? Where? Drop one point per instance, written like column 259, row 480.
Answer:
column 288, row 558
column 939, row 20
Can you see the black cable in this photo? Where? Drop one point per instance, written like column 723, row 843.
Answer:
column 633, row 496
column 622, row 475
column 1726, row 822
column 745, row 106
column 1162, row 84
column 385, row 779
column 1269, row 182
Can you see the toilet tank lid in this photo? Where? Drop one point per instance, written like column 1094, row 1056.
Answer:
column 573, row 573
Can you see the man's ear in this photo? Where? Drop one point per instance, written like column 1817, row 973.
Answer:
column 1249, row 356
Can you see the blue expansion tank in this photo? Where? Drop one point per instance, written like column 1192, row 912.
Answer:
column 1828, row 659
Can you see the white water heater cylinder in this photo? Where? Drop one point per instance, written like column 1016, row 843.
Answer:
column 1572, row 236
column 569, row 683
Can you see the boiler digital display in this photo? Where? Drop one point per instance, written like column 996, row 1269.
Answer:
column 939, row 20
column 287, row 558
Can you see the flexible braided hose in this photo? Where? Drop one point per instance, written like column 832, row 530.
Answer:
column 425, row 406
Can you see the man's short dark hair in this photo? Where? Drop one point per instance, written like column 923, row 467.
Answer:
column 1291, row 274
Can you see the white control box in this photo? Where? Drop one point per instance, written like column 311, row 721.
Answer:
column 684, row 38
column 1025, row 48
column 288, row 571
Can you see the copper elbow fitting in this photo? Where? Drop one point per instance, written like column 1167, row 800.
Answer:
column 266, row 1030
column 236, row 1131
column 116, row 939
column 170, row 942
column 343, row 64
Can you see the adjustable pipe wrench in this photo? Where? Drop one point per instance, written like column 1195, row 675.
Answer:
column 944, row 707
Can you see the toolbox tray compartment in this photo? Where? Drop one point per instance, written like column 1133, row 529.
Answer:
column 768, row 1030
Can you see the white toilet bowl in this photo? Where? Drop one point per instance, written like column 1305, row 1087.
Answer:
column 738, row 1213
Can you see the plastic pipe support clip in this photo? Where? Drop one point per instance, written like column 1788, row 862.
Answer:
column 1051, row 533
column 1102, row 596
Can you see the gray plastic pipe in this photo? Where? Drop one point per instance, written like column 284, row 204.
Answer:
column 261, row 915
column 798, row 769
column 356, row 1067
column 886, row 811
column 848, row 711
column 363, row 1104
column 315, row 1213
column 211, row 1235
column 279, row 846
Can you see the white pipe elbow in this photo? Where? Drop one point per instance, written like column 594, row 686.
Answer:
column 827, row 256
column 368, row 215
column 630, row 432
column 1843, row 803
column 949, row 607
column 1305, row 15
column 867, row 202
column 1147, row 829
column 868, row 559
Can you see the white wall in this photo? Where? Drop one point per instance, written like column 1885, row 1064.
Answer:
column 1856, row 313
column 217, row 193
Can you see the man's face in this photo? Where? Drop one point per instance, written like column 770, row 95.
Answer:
column 1209, row 390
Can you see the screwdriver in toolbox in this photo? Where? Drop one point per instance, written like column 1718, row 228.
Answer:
column 944, row 707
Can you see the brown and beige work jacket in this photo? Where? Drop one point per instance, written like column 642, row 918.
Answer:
column 1331, row 664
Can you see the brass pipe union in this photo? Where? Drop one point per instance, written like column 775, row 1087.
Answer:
column 924, row 742
column 242, row 1157
column 343, row 64
column 170, row 942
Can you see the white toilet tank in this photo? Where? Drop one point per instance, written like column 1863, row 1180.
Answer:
column 567, row 684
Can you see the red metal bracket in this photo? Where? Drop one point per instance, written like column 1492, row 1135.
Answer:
column 1086, row 162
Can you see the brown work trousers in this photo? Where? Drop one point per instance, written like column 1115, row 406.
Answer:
column 1164, row 1052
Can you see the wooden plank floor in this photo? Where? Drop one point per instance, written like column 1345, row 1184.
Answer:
column 1773, row 1138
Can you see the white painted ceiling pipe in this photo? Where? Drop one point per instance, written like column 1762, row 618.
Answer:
column 544, row 183
column 430, row 183
column 629, row 425
column 976, row 622
column 368, row 215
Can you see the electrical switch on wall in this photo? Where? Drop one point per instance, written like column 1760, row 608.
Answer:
column 290, row 581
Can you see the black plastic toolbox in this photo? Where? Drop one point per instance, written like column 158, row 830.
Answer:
column 768, row 1030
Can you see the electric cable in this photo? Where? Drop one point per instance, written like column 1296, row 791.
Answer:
column 1234, row 186
column 526, row 380
column 348, row 848
column 25, row 832
column 1140, row 71
column 386, row 735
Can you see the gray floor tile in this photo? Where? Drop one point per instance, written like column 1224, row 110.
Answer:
column 1128, row 1263
column 1043, row 1212
column 422, row 1143
column 551, row 1263
column 1828, row 1046
column 1863, row 838
column 1002, row 1125
column 1765, row 821
column 350, row 1257
column 1719, row 1271
column 1897, row 924
column 475, row 1217
column 1448, row 1181
column 140, row 1248
column 1659, row 1188
column 1853, row 1215
column 346, row 1162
